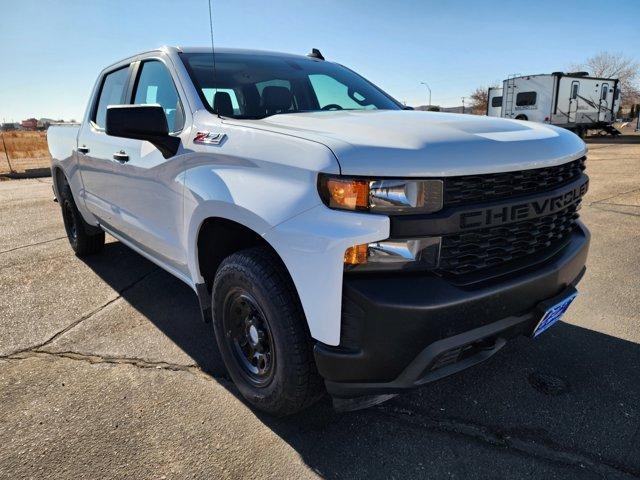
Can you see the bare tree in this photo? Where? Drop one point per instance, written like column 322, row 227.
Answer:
column 615, row 65
column 480, row 100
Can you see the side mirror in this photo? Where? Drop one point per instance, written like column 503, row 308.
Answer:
column 142, row 122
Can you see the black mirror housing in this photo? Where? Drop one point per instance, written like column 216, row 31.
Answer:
column 142, row 122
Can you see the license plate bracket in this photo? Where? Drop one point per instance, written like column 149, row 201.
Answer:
column 553, row 310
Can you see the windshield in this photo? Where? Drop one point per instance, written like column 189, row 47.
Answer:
column 260, row 85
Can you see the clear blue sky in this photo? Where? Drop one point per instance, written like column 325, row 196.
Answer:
column 51, row 51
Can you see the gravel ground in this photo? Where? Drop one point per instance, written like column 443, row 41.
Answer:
column 106, row 371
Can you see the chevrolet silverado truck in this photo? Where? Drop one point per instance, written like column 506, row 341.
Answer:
column 336, row 241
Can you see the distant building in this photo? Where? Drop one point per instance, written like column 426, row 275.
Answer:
column 44, row 123
column 8, row 126
column 29, row 124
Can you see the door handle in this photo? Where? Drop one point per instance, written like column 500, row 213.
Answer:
column 83, row 149
column 121, row 156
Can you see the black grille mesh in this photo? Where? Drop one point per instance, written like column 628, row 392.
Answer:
column 469, row 189
column 488, row 247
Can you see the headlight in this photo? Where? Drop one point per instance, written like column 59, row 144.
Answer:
column 385, row 196
column 406, row 254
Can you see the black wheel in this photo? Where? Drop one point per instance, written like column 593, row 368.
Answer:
column 84, row 238
column 522, row 117
column 262, row 334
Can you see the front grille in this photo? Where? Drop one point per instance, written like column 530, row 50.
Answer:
column 469, row 252
column 470, row 189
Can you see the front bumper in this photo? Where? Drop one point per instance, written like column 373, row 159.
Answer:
column 401, row 331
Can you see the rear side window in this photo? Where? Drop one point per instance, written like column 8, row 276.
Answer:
column 155, row 86
column 496, row 102
column 112, row 93
column 526, row 99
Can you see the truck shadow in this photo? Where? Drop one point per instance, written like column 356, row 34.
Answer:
column 566, row 402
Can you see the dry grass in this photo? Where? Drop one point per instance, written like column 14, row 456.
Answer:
column 25, row 150
column 25, row 144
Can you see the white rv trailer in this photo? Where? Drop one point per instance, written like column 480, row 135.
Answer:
column 574, row 101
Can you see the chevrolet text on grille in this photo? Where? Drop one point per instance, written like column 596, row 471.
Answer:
column 522, row 211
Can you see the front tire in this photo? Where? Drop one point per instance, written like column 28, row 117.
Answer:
column 261, row 332
column 84, row 239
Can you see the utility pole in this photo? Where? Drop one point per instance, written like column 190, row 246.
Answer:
column 428, row 88
column 463, row 104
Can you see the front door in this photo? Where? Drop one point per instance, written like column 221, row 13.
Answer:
column 573, row 101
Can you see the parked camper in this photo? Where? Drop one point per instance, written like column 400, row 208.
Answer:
column 494, row 105
column 574, row 101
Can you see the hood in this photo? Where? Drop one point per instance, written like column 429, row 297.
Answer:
column 413, row 143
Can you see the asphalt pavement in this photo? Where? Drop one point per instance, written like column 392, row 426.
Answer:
column 106, row 371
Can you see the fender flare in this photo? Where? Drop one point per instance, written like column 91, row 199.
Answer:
column 222, row 210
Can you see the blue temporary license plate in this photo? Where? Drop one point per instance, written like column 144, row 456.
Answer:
column 553, row 314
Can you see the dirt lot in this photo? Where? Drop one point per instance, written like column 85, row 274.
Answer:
column 106, row 371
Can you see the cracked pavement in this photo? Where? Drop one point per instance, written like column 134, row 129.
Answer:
column 106, row 371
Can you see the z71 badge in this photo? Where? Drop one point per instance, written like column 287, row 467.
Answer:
column 209, row 138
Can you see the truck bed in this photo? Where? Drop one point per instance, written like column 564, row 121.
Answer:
column 63, row 140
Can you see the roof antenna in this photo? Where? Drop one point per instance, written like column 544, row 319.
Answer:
column 213, row 55
column 315, row 53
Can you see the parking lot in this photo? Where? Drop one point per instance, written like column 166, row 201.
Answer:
column 106, row 371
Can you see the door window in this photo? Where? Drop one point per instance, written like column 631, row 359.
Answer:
column 111, row 93
column 155, row 86
column 605, row 90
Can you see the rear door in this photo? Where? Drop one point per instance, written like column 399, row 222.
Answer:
column 150, row 187
column 96, row 148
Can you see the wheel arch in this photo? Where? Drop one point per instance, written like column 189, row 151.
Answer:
column 59, row 179
column 218, row 237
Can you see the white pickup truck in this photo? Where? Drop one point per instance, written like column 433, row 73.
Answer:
column 337, row 241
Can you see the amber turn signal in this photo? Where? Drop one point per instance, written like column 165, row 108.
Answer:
column 356, row 255
column 347, row 193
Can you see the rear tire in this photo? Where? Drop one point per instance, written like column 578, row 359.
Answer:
column 522, row 117
column 262, row 335
column 84, row 238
